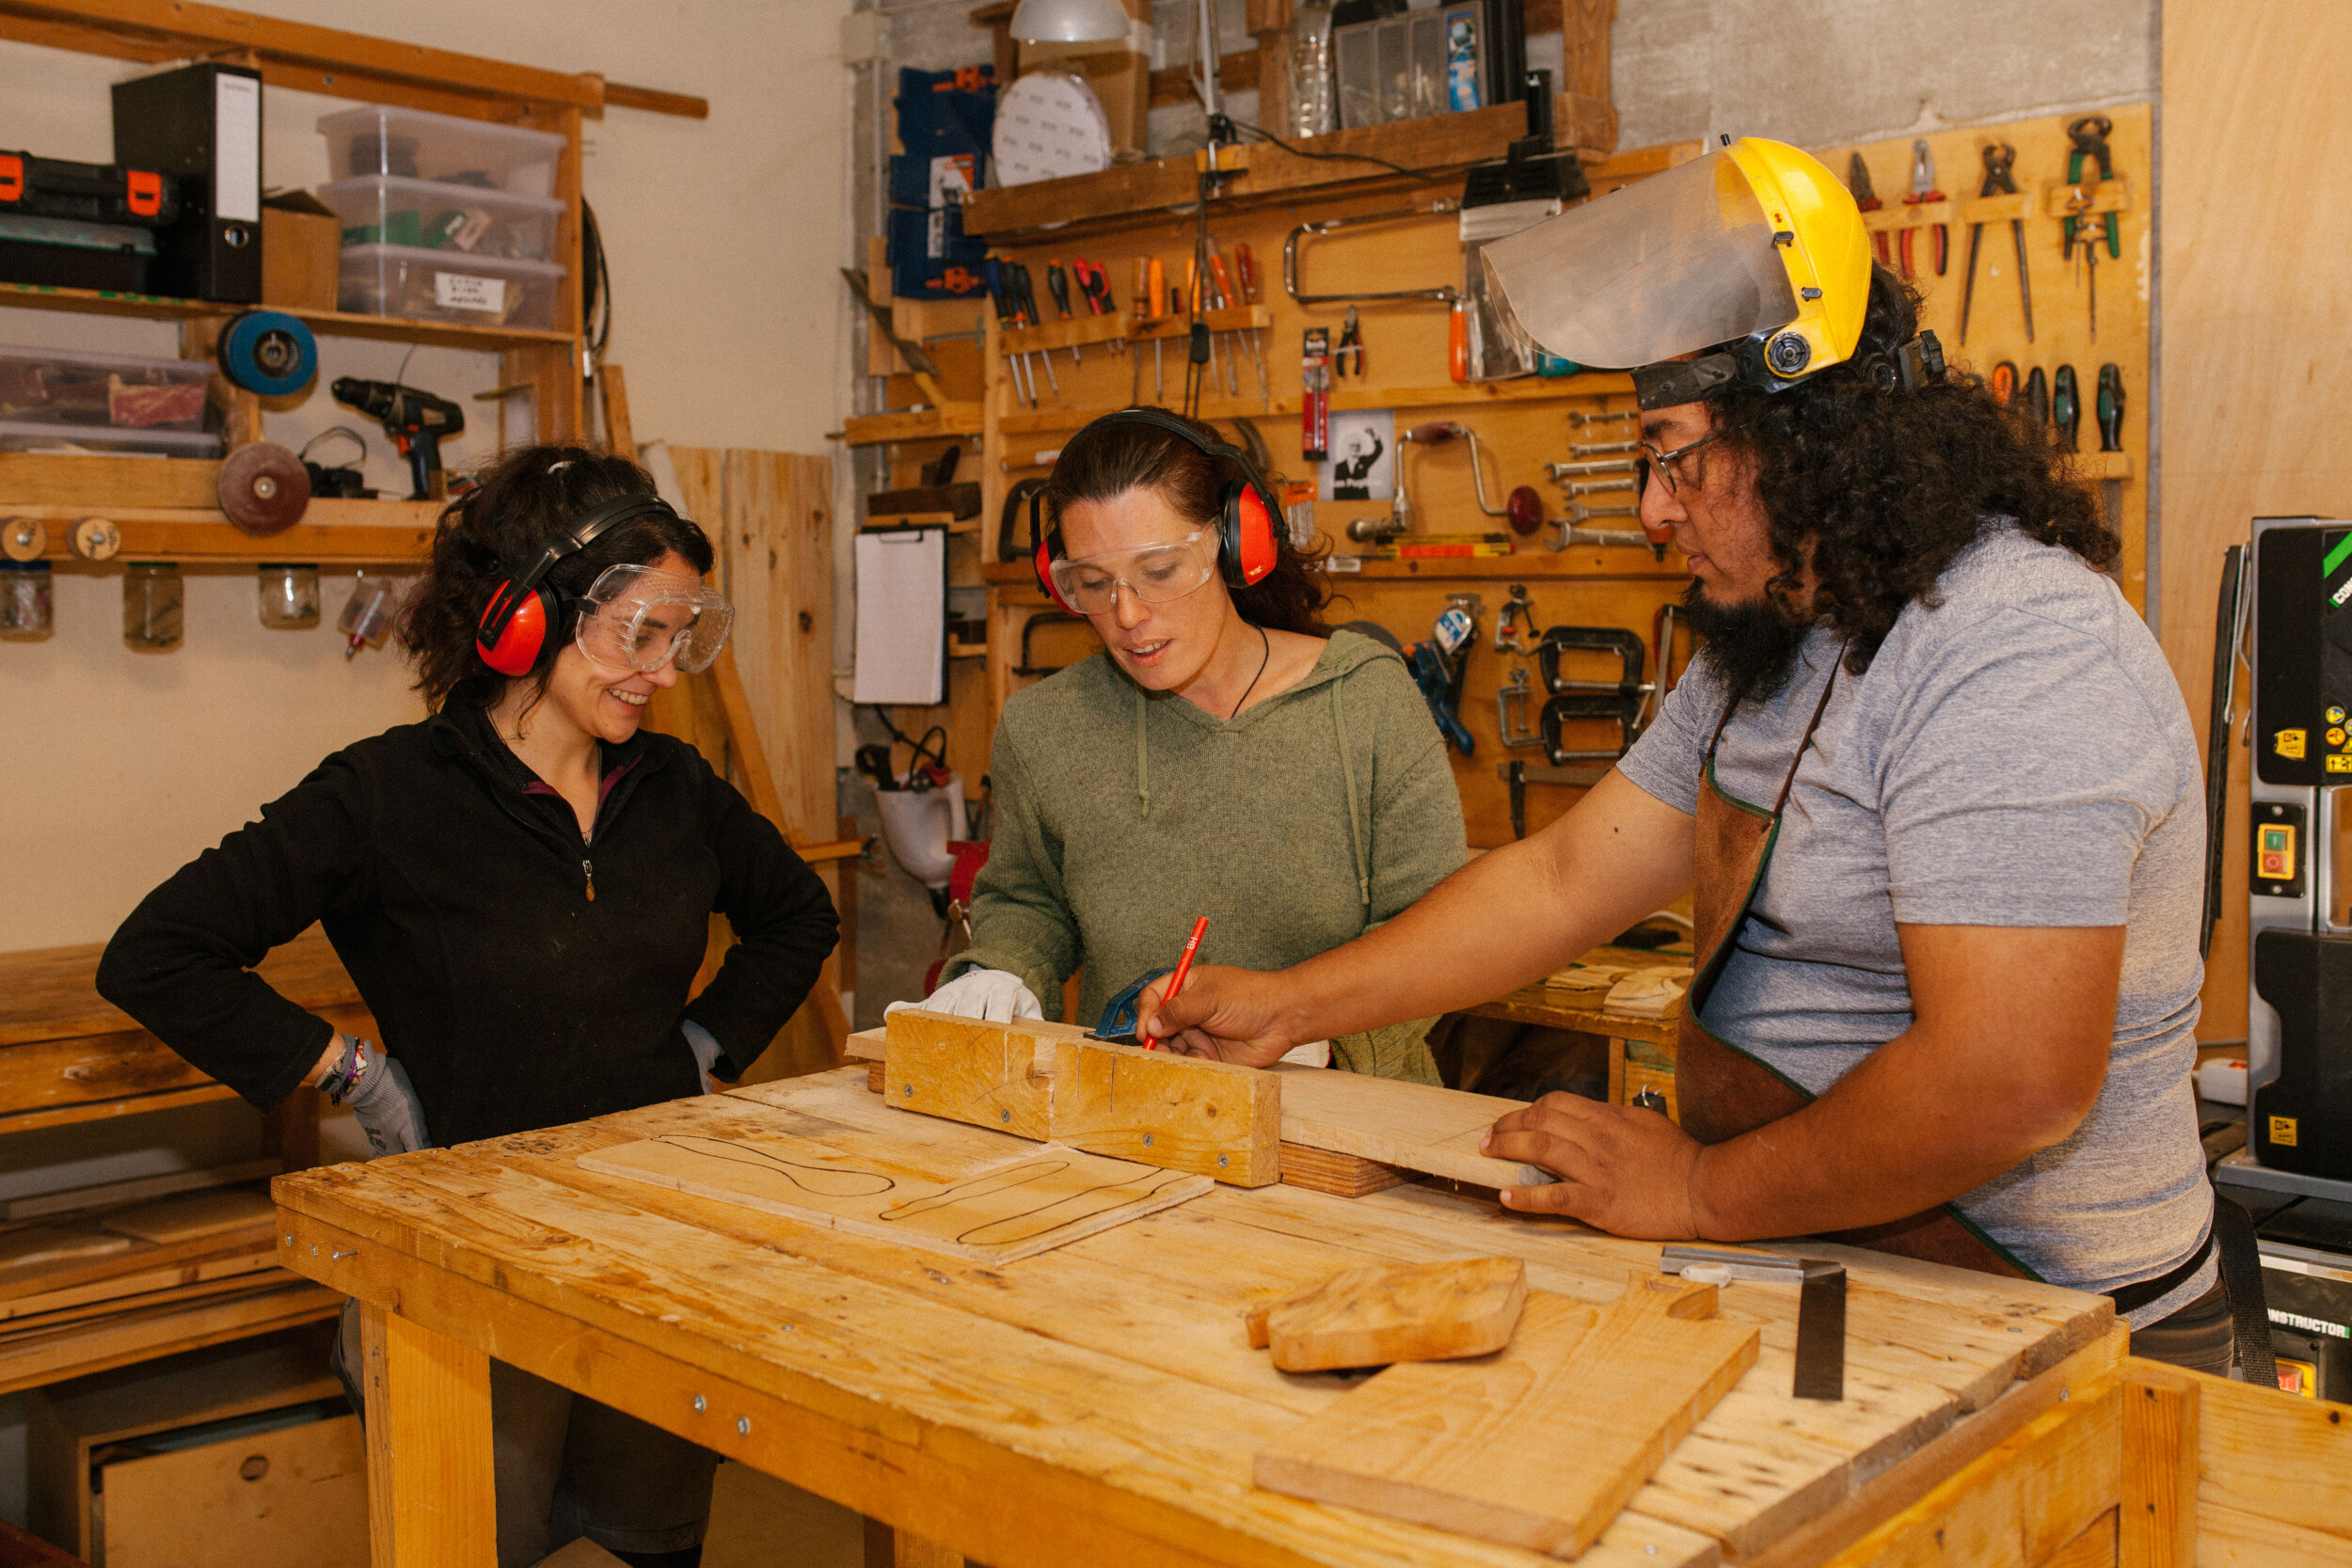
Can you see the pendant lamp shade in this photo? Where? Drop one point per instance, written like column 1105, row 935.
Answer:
column 1069, row 21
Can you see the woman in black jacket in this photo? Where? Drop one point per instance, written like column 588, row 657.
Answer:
column 521, row 888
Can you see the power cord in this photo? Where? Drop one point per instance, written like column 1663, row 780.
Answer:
column 1342, row 157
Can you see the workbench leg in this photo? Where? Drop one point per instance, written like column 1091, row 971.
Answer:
column 2158, row 1516
column 291, row 1130
column 431, row 1499
column 889, row 1548
column 1616, row 1072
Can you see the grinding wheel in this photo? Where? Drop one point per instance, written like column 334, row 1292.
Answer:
column 269, row 352
column 264, row 488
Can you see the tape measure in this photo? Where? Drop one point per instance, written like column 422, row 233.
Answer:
column 269, row 352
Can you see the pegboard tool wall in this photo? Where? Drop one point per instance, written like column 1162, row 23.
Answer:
column 1521, row 425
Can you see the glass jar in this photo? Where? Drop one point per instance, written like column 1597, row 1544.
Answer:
column 290, row 596
column 152, row 600
column 1314, row 99
column 24, row 601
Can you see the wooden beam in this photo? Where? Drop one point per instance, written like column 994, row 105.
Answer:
column 430, row 1499
column 619, row 438
column 621, row 95
column 2158, row 1524
column 192, row 29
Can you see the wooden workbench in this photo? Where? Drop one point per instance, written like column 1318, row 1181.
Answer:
column 1098, row 1402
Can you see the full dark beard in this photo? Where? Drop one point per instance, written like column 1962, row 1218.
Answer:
column 1750, row 647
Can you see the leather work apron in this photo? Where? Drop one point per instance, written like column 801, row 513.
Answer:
column 1723, row 1090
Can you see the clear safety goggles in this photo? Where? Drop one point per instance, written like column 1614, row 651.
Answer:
column 1154, row 573
column 1667, row 266
column 635, row 618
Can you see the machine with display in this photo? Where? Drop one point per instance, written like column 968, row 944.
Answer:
column 2295, row 1170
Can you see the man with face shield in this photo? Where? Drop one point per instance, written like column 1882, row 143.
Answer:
column 1930, row 782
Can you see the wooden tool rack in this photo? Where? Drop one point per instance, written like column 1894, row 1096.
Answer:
column 65, row 1055
column 1099, row 1402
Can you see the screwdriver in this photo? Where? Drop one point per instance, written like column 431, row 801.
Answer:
column 1226, row 299
column 1245, row 266
column 1025, row 309
column 2034, row 406
column 2004, row 383
column 2066, row 409
column 993, row 271
column 2111, row 415
column 1156, row 290
column 1057, row 285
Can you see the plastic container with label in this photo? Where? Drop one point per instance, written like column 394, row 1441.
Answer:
column 379, row 208
column 55, row 386
column 412, row 144
column 449, row 286
column 107, row 440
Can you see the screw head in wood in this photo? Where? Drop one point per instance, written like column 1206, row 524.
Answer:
column 742, row 1426
column 1147, row 1140
column 907, row 1089
column 701, row 1404
column 1003, row 1115
column 1224, row 1160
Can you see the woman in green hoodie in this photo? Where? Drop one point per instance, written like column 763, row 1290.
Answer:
column 1227, row 755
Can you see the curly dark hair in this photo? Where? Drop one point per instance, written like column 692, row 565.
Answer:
column 497, row 530
column 1886, row 486
column 1106, row 460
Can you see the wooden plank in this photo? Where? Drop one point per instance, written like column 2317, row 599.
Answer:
column 292, row 1497
column 2244, row 1539
column 620, row 436
column 2096, row 1548
column 621, row 95
column 430, row 1502
column 18, row 1284
column 914, row 424
column 1321, row 1170
column 2158, row 1524
column 1177, row 1113
column 1416, row 1126
column 137, row 1279
column 35, row 1245
column 2287, row 1460
column 1378, row 1314
column 2020, row 1502
column 50, row 993
column 1540, row 1446
column 18, row 1331
column 142, row 1336
column 1551, row 1008
column 191, row 1215
column 1000, row 1213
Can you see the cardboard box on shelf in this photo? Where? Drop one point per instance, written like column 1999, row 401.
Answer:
column 1120, row 75
column 301, row 246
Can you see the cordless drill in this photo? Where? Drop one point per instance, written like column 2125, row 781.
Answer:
column 416, row 420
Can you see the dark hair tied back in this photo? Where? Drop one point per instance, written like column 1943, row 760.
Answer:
column 497, row 530
column 1105, row 461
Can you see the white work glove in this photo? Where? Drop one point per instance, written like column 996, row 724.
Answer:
column 990, row 995
column 377, row 1088
column 706, row 1051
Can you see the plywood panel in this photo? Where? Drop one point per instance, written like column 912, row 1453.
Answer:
column 2257, row 325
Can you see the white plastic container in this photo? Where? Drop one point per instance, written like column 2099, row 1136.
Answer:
column 426, row 215
column 447, row 286
column 55, row 386
column 414, row 145
column 107, row 440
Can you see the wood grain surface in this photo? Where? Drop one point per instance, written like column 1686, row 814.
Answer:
column 1378, row 1314
column 1538, row 1446
column 1101, row 1396
column 1417, row 1126
column 49, row 994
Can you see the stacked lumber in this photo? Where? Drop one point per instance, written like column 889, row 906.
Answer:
column 126, row 1267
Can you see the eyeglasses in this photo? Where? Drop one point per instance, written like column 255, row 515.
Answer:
column 1155, row 574
column 635, row 618
column 1669, row 463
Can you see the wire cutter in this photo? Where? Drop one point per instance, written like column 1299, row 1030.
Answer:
column 1923, row 191
column 1999, row 159
column 2090, row 136
column 1858, row 181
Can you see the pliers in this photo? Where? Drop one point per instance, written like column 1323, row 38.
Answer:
column 1858, row 180
column 2090, row 136
column 1922, row 191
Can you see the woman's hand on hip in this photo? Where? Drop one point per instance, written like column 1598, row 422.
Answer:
column 1623, row 1169
column 1225, row 1014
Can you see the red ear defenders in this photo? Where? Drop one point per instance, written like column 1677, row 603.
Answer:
column 1248, row 512
column 525, row 617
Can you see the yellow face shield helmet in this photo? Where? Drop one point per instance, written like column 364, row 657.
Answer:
column 1754, row 247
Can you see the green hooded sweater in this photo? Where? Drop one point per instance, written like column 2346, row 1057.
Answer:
column 1122, row 814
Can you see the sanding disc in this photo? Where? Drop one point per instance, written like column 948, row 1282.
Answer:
column 269, row 352
column 264, row 488
column 1049, row 125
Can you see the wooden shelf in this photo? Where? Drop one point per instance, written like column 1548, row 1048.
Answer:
column 339, row 324
column 1592, row 384
column 1534, row 560
column 911, row 424
column 205, row 539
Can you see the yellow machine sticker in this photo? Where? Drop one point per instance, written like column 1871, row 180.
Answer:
column 2282, row 1131
column 2289, row 744
column 2274, row 851
column 2339, row 762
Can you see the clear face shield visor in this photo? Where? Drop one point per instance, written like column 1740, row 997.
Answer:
column 1666, row 267
column 635, row 618
column 1155, row 574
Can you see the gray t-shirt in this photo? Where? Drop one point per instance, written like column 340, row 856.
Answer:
column 2017, row 755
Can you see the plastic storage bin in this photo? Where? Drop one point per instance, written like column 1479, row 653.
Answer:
column 426, row 215
column 449, row 286
column 51, row 386
column 107, row 440
column 414, row 145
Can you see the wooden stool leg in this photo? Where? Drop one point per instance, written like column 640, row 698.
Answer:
column 431, row 1499
column 889, row 1548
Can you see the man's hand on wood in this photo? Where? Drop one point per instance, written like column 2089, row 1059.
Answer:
column 1624, row 1170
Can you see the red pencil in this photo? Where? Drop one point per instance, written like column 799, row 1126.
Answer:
column 1184, row 966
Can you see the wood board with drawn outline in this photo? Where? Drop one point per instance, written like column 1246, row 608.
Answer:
column 1038, row 1200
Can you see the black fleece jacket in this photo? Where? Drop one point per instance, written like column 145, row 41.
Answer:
column 458, row 898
